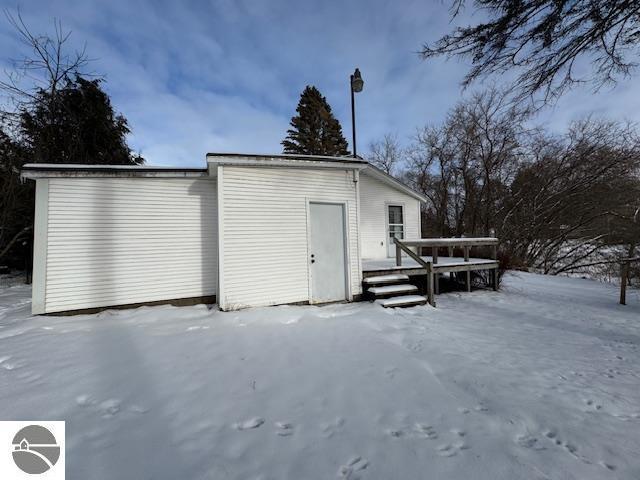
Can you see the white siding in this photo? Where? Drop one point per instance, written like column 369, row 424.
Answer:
column 375, row 196
column 116, row 241
column 264, row 239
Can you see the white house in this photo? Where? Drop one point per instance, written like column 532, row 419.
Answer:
column 247, row 231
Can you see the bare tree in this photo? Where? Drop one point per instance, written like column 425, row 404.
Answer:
column 544, row 41
column 465, row 165
column 575, row 197
column 386, row 154
column 46, row 68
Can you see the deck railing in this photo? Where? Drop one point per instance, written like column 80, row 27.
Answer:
column 435, row 244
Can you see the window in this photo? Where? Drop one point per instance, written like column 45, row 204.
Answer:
column 395, row 219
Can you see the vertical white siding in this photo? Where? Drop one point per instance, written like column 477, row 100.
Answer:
column 265, row 260
column 116, row 241
column 374, row 198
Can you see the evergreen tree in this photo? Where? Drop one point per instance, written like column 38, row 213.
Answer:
column 76, row 125
column 315, row 131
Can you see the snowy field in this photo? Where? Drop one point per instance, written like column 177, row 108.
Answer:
column 538, row 381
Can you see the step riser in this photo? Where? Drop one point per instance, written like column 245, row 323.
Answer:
column 384, row 280
column 406, row 305
column 403, row 301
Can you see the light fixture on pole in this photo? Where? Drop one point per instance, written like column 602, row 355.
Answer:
column 356, row 86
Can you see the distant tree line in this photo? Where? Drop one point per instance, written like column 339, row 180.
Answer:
column 54, row 112
column 554, row 200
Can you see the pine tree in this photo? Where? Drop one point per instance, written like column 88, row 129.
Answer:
column 76, row 125
column 315, row 131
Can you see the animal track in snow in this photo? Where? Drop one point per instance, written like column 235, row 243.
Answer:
column 354, row 464
column 284, row 429
column 329, row 429
column 608, row 466
column 110, row 407
column 395, row 432
column 572, row 449
column 84, row 400
column 391, row 372
column 451, row 449
column 138, row 409
column 425, row 431
column 528, row 441
column 4, row 363
column 594, row 405
column 249, row 424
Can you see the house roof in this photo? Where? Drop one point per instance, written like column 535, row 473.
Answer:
column 316, row 161
column 42, row 170
column 47, row 170
column 289, row 156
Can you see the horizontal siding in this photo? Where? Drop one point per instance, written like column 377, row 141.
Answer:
column 116, row 241
column 374, row 197
column 265, row 232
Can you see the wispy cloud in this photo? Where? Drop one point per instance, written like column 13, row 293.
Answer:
column 198, row 76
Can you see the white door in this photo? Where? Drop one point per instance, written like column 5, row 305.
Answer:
column 395, row 227
column 327, row 252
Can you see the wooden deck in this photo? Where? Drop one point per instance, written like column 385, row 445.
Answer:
column 408, row 261
column 409, row 266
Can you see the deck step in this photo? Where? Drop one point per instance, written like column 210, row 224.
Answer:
column 386, row 279
column 386, row 290
column 403, row 301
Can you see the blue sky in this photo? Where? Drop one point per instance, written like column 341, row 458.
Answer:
column 220, row 76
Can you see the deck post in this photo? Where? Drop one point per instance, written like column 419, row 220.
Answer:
column 468, row 280
column 430, row 296
column 494, row 255
column 624, row 273
column 398, row 255
column 466, row 254
column 436, row 276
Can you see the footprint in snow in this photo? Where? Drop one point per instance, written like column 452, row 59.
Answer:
column 528, row 441
column 425, row 431
column 329, row 429
column 451, row 449
column 110, row 407
column 249, row 424
column 591, row 403
column 138, row 409
column 84, row 400
column 354, row 464
column 284, row 429
column 608, row 466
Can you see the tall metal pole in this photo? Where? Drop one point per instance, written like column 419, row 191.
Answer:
column 353, row 116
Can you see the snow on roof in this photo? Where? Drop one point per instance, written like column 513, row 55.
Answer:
column 72, row 166
column 288, row 156
column 35, row 170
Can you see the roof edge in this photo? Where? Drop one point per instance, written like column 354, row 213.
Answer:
column 288, row 156
column 394, row 182
column 47, row 170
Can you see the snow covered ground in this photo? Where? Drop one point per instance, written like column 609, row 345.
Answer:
column 538, row 381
